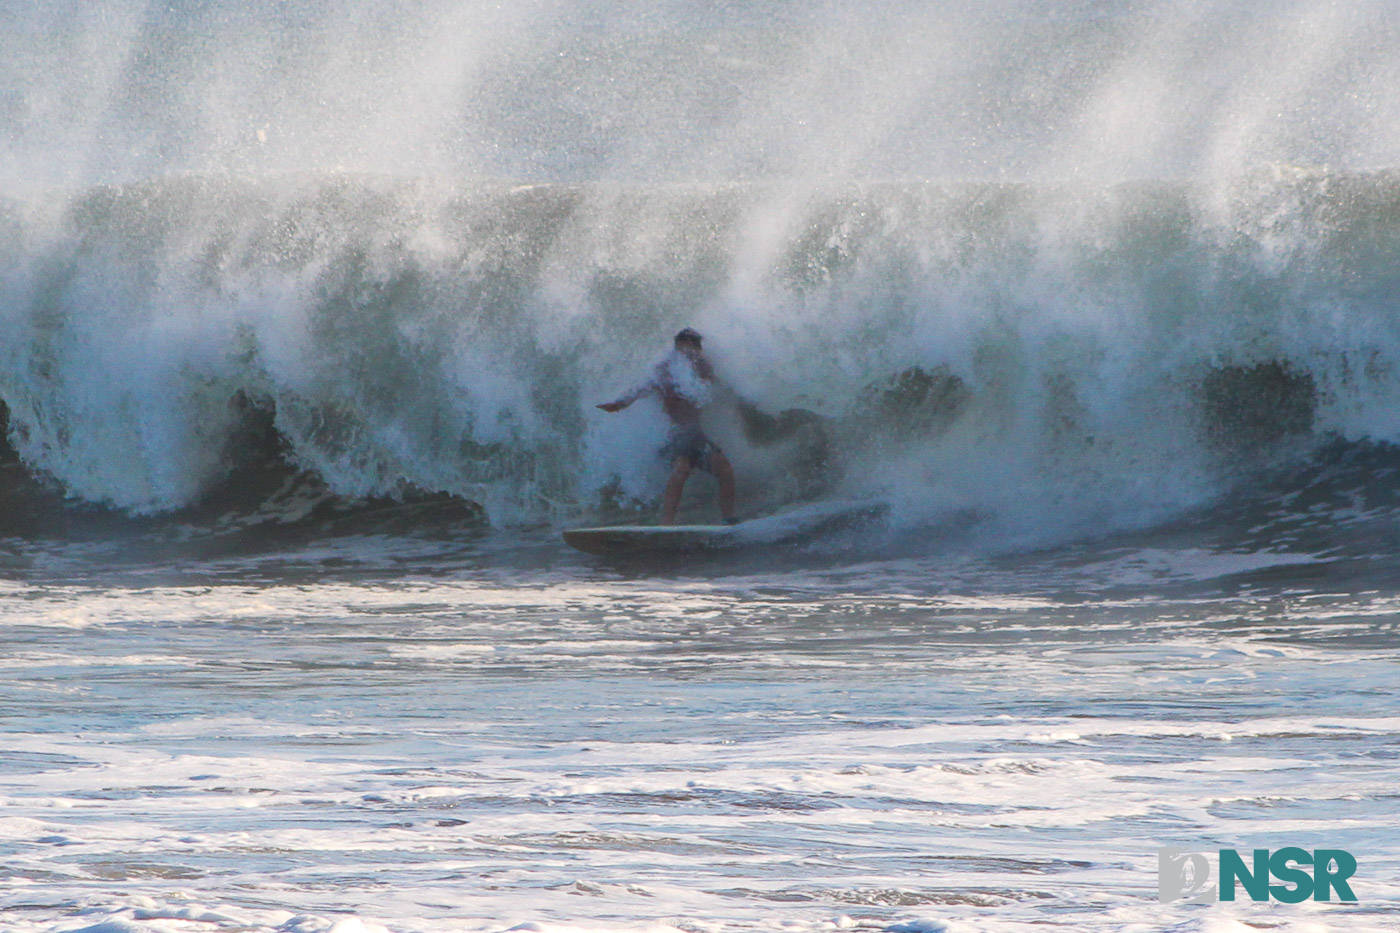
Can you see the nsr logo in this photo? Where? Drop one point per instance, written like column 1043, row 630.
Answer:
column 1183, row 875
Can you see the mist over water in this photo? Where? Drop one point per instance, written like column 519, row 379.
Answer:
column 555, row 91
column 305, row 309
column 429, row 236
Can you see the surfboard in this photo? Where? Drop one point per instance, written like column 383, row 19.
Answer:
column 781, row 527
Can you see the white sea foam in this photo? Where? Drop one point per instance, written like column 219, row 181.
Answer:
column 460, row 755
column 1029, row 274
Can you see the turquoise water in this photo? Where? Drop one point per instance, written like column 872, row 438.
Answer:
column 306, row 310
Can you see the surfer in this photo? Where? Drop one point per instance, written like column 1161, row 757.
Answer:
column 685, row 380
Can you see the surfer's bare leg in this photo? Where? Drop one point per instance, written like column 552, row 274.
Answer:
column 719, row 463
column 680, row 469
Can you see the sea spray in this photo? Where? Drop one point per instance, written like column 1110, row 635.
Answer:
column 454, row 339
column 1056, row 267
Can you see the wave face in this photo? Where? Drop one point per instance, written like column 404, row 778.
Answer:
column 1045, row 269
column 1087, row 354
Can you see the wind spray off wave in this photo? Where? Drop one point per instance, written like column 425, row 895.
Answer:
column 974, row 258
column 1124, row 351
column 1096, row 301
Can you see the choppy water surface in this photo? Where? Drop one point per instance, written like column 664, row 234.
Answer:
column 305, row 309
column 989, row 744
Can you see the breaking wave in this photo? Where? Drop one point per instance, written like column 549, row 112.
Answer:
column 1055, row 358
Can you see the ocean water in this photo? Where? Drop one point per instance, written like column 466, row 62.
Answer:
column 306, row 308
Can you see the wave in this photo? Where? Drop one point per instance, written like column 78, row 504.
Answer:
column 1059, row 358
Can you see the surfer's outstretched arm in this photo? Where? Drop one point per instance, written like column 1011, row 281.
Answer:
column 651, row 384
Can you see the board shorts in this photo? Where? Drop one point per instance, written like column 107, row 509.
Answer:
column 694, row 446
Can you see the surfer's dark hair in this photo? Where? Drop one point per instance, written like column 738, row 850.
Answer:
column 688, row 334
